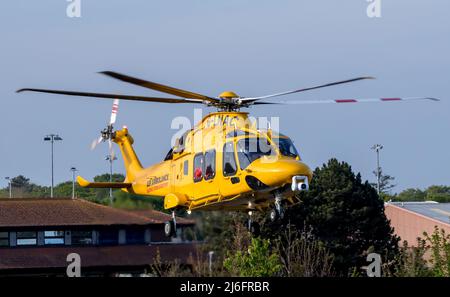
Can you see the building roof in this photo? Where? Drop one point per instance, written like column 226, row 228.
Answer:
column 430, row 209
column 159, row 217
column 94, row 257
column 25, row 212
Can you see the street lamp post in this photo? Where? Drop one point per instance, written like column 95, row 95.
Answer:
column 210, row 261
column 378, row 148
column 110, row 159
column 10, row 186
column 74, row 170
column 52, row 138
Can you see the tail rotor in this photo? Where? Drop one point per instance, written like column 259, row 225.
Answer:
column 107, row 134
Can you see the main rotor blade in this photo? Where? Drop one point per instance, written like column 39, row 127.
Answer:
column 115, row 109
column 114, row 96
column 348, row 100
column 250, row 99
column 158, row 87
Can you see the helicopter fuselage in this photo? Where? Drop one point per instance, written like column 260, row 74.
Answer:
column 224, row 163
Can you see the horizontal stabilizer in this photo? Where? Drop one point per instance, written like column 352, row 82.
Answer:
column 87, row 184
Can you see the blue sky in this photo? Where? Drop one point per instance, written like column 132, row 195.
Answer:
column 251, row 47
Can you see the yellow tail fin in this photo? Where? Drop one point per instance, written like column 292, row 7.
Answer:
column 130, row 159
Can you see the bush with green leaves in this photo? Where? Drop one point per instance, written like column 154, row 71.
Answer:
column 439, row 246
column 257, row 261
column 302, row 255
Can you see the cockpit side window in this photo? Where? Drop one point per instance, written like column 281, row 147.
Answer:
column 229, row 160
column 286, row 147
column 169, row 155
column 251, row 149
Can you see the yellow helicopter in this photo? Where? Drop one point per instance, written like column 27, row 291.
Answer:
column 224, row 163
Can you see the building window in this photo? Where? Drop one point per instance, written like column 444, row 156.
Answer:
column 229, row 161
column 186, row 167
column 199, row 164
column 81, row 237
column 27, row 238
column 135, row 236
column 53, row 237
column 4, row 239
column 108, row 237
column 210, row 164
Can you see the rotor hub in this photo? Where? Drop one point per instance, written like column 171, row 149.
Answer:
column 228, row 95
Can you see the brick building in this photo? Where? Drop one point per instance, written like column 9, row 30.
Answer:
column 36, row 235
column 411, row 219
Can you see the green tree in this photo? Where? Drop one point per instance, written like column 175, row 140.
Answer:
column 345, row 214
column 438, row 194
column 258, row 261
column 131, row 201
column 22, row 182
column 411, row 195
column 386, row 180
column 22, row 187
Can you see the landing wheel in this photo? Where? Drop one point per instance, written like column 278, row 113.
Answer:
column 277, row 212
column 169, row 228
column 273, row 215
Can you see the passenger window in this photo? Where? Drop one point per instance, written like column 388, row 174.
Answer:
column 210, row 164
column 229, row 161
column 186, row 167
column 198, row 167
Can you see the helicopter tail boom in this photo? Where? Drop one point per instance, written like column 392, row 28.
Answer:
column 116, row 185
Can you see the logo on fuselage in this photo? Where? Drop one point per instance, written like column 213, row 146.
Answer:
column 157, row 182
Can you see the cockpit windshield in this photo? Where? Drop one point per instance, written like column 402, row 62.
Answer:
column 286, row 147
column 251, row 149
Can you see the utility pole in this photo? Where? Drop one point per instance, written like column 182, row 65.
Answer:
column 110, row 159
column 10, row 186
column 52, row 138
column 378, row 148
column 74, row 170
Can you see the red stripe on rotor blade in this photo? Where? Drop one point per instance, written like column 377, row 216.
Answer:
column 391, row 99
column 345, row 100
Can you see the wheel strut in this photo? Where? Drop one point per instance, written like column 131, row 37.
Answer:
column 174, row 220
column 279, row 211
column 249, row 220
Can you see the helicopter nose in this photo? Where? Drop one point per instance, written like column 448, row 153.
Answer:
column 278, row 172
